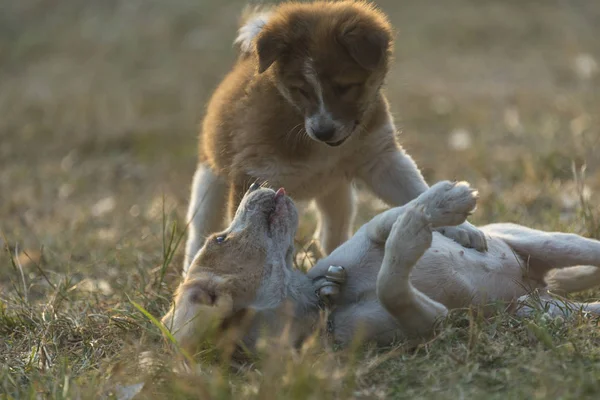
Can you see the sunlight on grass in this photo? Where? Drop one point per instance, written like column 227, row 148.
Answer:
column 100, row 105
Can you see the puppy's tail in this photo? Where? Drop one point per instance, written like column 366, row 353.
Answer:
column 573, row 279
column 251, row 23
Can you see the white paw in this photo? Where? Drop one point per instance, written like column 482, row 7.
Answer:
column 449, row 203
column 466, row 235
column 412, row 227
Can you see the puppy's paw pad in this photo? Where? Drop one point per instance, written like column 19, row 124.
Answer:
column 449, row 203
column 461, row 197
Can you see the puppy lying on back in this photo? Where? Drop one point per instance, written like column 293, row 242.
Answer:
column 394, row 279
column 303, row 108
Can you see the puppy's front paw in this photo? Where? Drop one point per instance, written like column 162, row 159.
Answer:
column 466, row 235
column 449, row 203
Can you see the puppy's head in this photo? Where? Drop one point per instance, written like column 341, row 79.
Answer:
column 245, row 267
column 329, row 60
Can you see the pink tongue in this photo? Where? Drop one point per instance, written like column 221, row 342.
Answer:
column 280, row 192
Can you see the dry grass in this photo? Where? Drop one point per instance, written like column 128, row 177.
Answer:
column 100, row 103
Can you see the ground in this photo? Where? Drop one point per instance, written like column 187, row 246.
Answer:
column 100, row 103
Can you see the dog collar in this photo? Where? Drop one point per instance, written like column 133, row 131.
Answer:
column 328, row 293
column 330, row 289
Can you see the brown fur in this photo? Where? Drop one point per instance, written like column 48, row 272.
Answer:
column 303, row 109
column 249, row 121
column 241, row 277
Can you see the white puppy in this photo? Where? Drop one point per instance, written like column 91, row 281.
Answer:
column 398, row 276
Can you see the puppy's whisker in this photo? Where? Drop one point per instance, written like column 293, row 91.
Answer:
column 293, row 129
column 302, row 136
column 290, row 136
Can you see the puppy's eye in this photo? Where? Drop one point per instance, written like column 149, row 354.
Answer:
column 253, row 187
column 302, row 92
column 220, row 239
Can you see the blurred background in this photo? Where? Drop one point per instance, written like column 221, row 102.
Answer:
column 100, row 103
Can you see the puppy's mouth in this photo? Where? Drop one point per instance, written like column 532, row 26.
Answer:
column 340, row 142
column 279, row 207
column 336, row 144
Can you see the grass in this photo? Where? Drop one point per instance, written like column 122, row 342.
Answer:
column 100, row 103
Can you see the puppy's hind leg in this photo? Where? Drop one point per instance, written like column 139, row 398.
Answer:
column 409, row 238
column 544, row 251
column 336, row 209
column 573, row 279
column 206, row 211
column 553, row 306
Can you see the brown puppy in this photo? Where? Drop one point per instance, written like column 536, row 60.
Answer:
column 303, row 108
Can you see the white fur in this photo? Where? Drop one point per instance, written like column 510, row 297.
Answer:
column 322, row 117
column 312, row 78
column 391, row 176
column 206, row 211
column 337, row 209
column 250, row 30
column 420, row 274
column 412, row 237
column 402, row 276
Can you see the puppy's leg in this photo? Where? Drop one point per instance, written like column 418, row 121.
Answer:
column 206, row 210
column 544, row 251
column 337, row 210
column 446, row 203
column 553, row 306
column 394, row 177
column 573, row 279
column 237, row 190
column 409, row 238
column 465, row 234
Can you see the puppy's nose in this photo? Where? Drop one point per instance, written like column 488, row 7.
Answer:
column 324, row 133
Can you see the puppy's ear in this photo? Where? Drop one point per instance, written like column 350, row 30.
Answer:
column 199, row 305
column 270, row 45
column 369, row 45
column 210, row 293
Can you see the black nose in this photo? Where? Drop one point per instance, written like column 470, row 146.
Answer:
column 324, row 133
